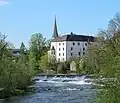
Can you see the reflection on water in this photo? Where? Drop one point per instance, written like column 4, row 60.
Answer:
column 58, row 90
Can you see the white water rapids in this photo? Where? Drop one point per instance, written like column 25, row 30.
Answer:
column 58, row 89
column 82, row 80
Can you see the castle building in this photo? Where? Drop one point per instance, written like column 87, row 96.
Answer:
column 68, row 46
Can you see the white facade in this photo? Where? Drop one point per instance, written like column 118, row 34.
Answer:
column 60, row 50
column 65, row 50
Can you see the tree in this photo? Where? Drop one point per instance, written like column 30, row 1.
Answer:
column 3, row 45
column 22, row 48
column 61, row 68
column 48, row 44
column 37, row 49
column 106, row 57
column 38, row 45
column 81, row 65
column 10, row 45
column 44, row 63
column 15, row 76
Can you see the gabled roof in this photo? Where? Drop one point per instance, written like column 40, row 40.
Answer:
column 15, row 50
column 73, row 37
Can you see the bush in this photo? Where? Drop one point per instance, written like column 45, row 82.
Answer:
column 14, row 75
column 63, row 67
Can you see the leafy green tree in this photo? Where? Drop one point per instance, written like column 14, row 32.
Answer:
column 106, row 57
column 38, row 45
column 15, row 75
column 3, row 45
column 44, row 63
column 48, row 44
column 63, row 67
column 37, row 49
column 10, row 45
column 67, row 66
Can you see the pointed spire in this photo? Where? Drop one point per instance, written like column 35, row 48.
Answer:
column 55, row 32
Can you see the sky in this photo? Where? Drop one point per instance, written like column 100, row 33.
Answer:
column 19, row 19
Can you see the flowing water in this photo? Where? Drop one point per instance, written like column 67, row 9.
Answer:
column 62, row 89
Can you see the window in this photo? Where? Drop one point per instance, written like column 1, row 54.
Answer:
column 63, row 59
column 73, row 43
column 71, row 48
column 63, row 54
column 71, row 54
column 78, row 43
column 63, row 43
column 85, row 44
column 53, row 52
column 79, row 53
column 83, row 53
column 59, row 43
column 59, row 49
column 83, row 49
column 59, row 54
column 63, row 49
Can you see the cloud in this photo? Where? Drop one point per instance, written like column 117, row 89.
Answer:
column 3, row 2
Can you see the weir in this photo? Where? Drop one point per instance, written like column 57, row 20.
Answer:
column 64, row 75
column 58, row 88
column 71, row 79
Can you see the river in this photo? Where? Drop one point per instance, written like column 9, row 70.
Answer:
column 77, row 89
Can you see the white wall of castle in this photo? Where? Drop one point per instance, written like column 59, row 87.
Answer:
column 65, row 50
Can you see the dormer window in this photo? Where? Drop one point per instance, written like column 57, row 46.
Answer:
column 52, row 48
column 71, row 33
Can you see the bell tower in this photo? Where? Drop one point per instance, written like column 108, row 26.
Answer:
column 55, row 32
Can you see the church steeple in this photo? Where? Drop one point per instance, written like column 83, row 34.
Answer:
column 55, row 32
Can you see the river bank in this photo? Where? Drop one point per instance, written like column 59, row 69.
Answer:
column 58, row 90
column 30, row 88
column 17, row 92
